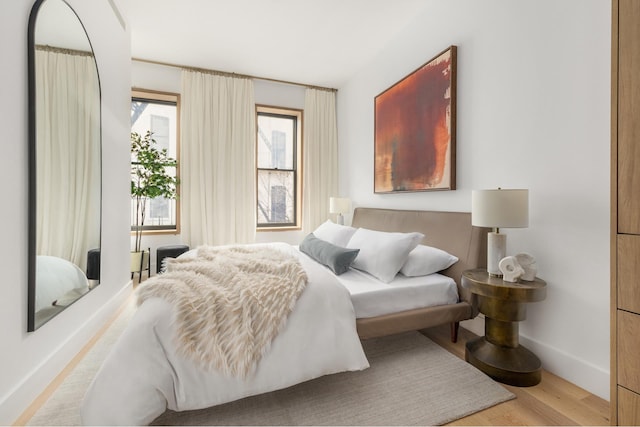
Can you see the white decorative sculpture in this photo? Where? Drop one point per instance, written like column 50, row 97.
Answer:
column 511, row 270
column 528, row 264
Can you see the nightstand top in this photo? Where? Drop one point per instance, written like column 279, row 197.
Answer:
column 480, row 282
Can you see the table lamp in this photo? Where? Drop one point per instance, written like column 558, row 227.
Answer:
column 499, row 209
column 339, row 205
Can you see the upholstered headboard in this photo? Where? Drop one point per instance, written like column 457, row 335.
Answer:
column 449, row 231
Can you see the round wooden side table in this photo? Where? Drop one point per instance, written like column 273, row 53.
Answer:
column 498, row 353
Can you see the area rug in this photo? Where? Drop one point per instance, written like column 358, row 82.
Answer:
column 411, row 381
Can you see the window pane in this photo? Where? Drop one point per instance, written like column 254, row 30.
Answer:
column 160, row 213
column 276, row 139
column 276, row 192
column 158, row 117
column 160, row 126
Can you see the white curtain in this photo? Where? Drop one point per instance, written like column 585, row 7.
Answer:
column 68, row 155
column 217, row 159
column 320, row 157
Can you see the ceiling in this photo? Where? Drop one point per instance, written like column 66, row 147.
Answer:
column 315, row 42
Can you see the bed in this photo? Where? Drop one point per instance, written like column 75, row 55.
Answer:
column 146, row 373
column 450, row 231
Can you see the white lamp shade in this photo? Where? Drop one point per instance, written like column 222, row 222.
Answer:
column 500, row 208
column 339, row 205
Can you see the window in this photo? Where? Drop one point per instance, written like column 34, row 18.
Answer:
column 158, row 112
column 278, row 159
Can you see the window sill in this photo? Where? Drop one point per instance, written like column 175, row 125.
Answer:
column 154, row 232
column 288, row 228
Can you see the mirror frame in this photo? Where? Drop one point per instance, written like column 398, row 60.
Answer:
column 32, row 157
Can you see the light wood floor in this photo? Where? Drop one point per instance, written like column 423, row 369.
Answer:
column 553, row 402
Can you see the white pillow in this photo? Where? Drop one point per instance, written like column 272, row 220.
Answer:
column 334, row 233
column 382, row 254
column 425, row 260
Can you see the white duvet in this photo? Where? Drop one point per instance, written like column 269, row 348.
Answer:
column 144, row 375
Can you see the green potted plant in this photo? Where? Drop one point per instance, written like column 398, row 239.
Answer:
column 149, row 179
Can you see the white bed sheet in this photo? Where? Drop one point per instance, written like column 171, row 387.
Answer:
column 144, row 374
column 371, row 297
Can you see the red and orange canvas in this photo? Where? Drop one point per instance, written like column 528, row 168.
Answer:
column 415, row 129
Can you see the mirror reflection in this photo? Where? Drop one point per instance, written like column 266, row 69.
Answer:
column 65, row 161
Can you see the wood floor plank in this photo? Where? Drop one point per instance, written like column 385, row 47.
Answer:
column 569, row 399
column 554, row 401
column 51, row 388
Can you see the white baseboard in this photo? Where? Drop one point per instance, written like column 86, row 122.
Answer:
column 571, row 368
column 567, row 366
column 14, row 403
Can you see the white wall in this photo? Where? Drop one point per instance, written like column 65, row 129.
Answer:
column 532, row 112
column 168, row 79
column 29, row 361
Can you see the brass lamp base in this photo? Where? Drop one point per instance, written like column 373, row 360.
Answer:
column 516, row 366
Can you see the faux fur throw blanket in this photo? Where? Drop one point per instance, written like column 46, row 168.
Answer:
column 230, row 303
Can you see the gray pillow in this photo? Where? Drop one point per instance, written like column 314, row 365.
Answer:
column 337, row 258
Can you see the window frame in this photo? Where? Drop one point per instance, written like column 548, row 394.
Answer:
column 298, row 114
column 161, row 97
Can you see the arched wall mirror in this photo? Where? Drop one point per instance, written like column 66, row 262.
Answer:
column 64, row 162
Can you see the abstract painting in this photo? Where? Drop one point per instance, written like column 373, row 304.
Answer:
column 415, row 129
